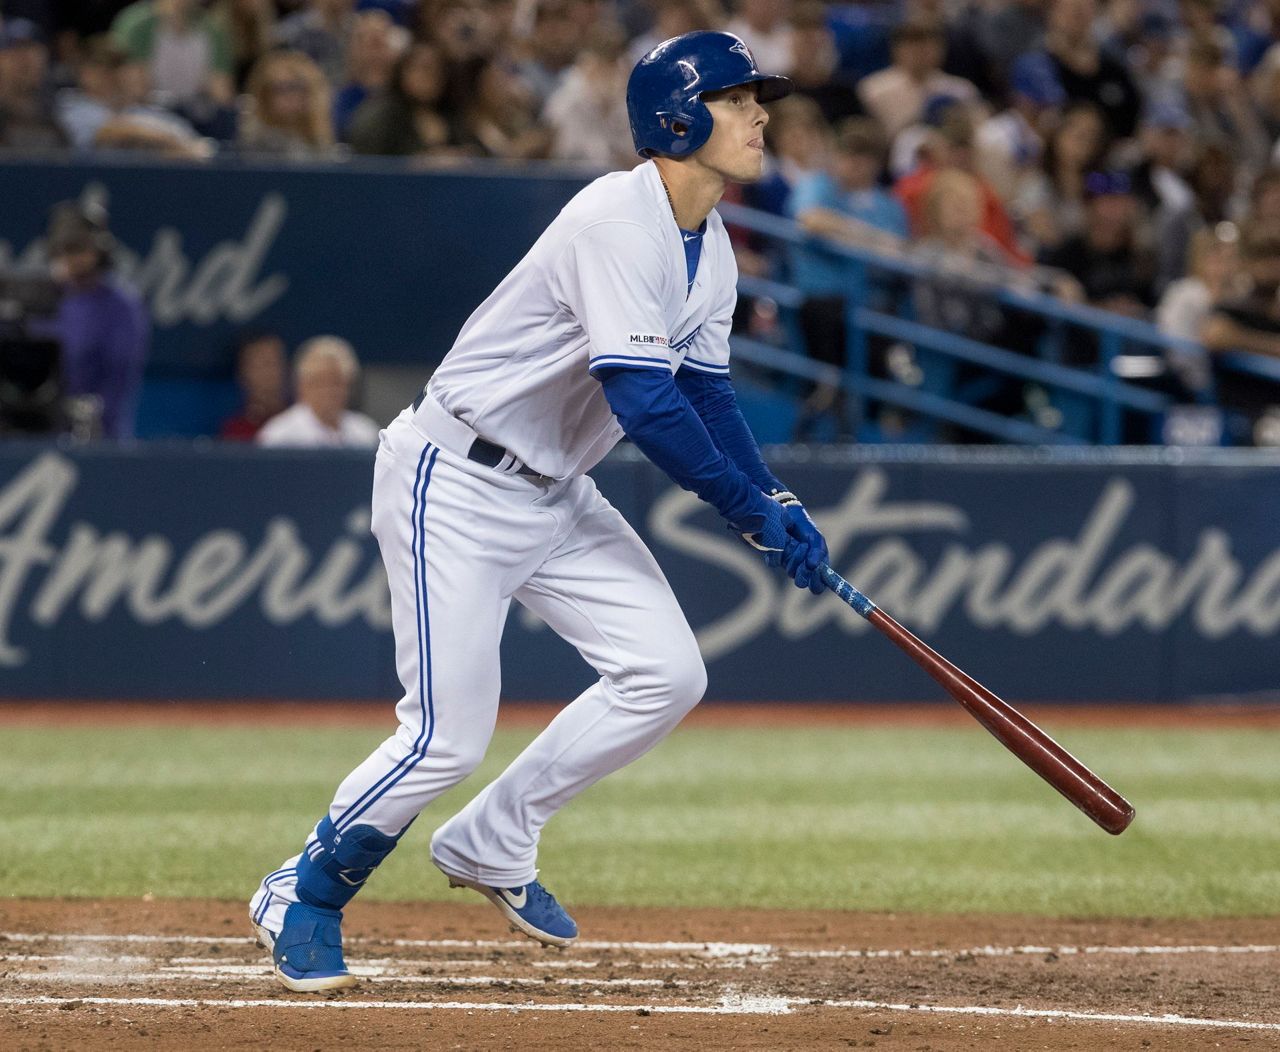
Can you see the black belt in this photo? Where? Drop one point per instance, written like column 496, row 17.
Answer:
column 490, row 454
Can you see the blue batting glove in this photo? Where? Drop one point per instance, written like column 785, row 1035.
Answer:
column 766, row 531
column 806, row 549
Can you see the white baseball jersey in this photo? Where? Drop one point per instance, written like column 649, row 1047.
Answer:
column 604, row 285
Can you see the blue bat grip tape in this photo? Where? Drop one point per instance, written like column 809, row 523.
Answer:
column 847, row 592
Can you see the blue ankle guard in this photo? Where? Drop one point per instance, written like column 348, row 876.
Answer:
column 331, row 878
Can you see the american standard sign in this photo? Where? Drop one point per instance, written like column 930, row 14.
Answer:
column 176, row 572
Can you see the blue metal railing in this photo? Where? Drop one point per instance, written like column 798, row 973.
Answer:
column 1094, row 400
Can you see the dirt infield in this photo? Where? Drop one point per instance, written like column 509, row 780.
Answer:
column 184, row 974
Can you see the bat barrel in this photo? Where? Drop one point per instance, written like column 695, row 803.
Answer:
column 1106, row 807
column 1013, row 730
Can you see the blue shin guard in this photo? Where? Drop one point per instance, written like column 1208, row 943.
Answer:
column 307, row 950
column 331, row 873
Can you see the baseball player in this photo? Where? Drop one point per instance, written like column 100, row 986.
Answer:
column 616, row 322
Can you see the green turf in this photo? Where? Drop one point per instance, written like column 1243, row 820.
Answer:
column 902, row 819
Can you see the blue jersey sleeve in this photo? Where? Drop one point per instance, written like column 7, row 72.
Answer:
column 665, row 427
column 713, row 399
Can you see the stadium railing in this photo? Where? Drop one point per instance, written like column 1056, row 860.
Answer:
column 1098, row 402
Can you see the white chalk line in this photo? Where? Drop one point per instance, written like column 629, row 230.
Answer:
column 711, row 949
column 258, row 973
column 757, row 952
column 729, row 1005
column 1055, row 1013
column 1037, row 951
column 733, row 1006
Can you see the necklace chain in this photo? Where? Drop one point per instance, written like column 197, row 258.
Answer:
column 666, row 190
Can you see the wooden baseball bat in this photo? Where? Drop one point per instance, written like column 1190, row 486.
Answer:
column 1013, row 730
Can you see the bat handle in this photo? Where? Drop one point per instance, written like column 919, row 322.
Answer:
column 864, row 606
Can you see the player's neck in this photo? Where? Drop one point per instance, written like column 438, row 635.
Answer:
column 694, row 190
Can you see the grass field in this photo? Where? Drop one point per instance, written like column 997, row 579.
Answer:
column 846, row 817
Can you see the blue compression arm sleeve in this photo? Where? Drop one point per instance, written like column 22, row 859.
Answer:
column 715, row 403
column 662, row 423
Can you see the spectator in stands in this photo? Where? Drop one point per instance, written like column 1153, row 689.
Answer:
column 1264, row 90
column 587, row 113
column 75, row 22
column 376, row 44
column 765, row 28
column 102, row 324
column 796, row 147
column 463, row 30
column 1255, row 27
column 499, row 118
column 1154, row 65
column 815, row 65
column 948, row 146
column 1264, row 198
column 1220, row 109
column 1215, row 181
column 962, row 52
column 672, row 18
column 545, row 55
column 106, row 110
column 260, row 373
column 1186, row 305
column 409, row 118
column 843, row 203
column 1161, row 187
column 1006, row 29
column 187, row 52
column 250, row 27
column 1202, row 22
column 1159, row 179
column 287, row 110
column 896, row 96
column 1085, row 71
column 320, row 30
column 1010, row 146
column 1115, row 270
column 324, row 373
column 952, row 231
column 1250, row 321
column 27, row 120
column 1050, row 205
column 959, row 293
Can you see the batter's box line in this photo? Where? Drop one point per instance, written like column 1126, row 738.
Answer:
column 729, row 1006
column 753, row 953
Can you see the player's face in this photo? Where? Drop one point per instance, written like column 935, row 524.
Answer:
column 735, row 150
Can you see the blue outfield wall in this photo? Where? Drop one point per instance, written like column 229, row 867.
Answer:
column 189, row 572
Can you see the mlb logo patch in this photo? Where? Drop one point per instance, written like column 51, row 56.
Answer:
column 646, row 339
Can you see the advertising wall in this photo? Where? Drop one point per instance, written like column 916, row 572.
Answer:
column 188, row 572
column 392, row 258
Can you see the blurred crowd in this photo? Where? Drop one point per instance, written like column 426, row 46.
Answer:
column 1118, row 153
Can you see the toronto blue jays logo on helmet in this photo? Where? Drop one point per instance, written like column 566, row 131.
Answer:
column 742, row 49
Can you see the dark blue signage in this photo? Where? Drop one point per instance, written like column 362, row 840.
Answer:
column 177, row 572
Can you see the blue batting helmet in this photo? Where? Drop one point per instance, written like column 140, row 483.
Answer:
column 664, row 92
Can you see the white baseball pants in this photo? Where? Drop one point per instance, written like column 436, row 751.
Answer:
column 459, row 541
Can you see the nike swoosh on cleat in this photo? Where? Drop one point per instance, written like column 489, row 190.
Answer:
column 516, row 902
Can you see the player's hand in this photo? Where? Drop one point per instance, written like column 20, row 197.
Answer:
column 766, row 531
column 805, row 550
